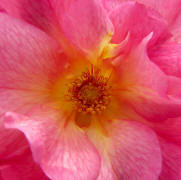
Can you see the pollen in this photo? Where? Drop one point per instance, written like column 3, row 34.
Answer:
column 90, row 92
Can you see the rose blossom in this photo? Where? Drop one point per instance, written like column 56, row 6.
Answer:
column 90, row 89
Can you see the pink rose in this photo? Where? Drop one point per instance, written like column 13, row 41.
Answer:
column 90, row 89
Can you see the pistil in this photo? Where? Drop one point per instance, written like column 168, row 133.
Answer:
column 90, row 92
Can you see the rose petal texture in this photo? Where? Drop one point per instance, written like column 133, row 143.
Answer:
column 85, row 24
column 139, row 21
column 39, row 13
column 171, row 168
column 176, row 29
column 12, row 143
column 42, row 71
column 31, row 61
column 23, row 168
column 147, row 88
column 128, row 147
column 24, row 75
column 170, row 141
column 72, row 154
column 169, row 9
column 123, row 132
column 141, row 88
column 16, row 161
column 168, row 57
column 174, row 89
column 81, row 26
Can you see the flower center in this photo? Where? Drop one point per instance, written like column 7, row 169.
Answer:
column 90, row 92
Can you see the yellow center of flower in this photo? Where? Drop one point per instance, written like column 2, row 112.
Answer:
column 90, row 92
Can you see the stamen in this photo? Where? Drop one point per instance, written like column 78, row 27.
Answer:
column 90, row 92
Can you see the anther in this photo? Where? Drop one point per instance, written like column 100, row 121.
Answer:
column 90, row 92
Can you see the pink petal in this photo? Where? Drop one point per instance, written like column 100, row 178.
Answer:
column 38, row 13
column 62, row 153
column 139, row 21
column 106, row 172
column 2, row 9
column 168, row 57
column 130, row 150
column 85, row 25
column 151, row 106
column 176, row 28
column 136, row 70
column 169, row 130
column 174, row 87
column 79, row 25
column 145, row 86
column 12, row 142
column 11, row 6
column 110, row 5
column 171, row 153
column 169, row 9
column 30, row 62
column 23, row 168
